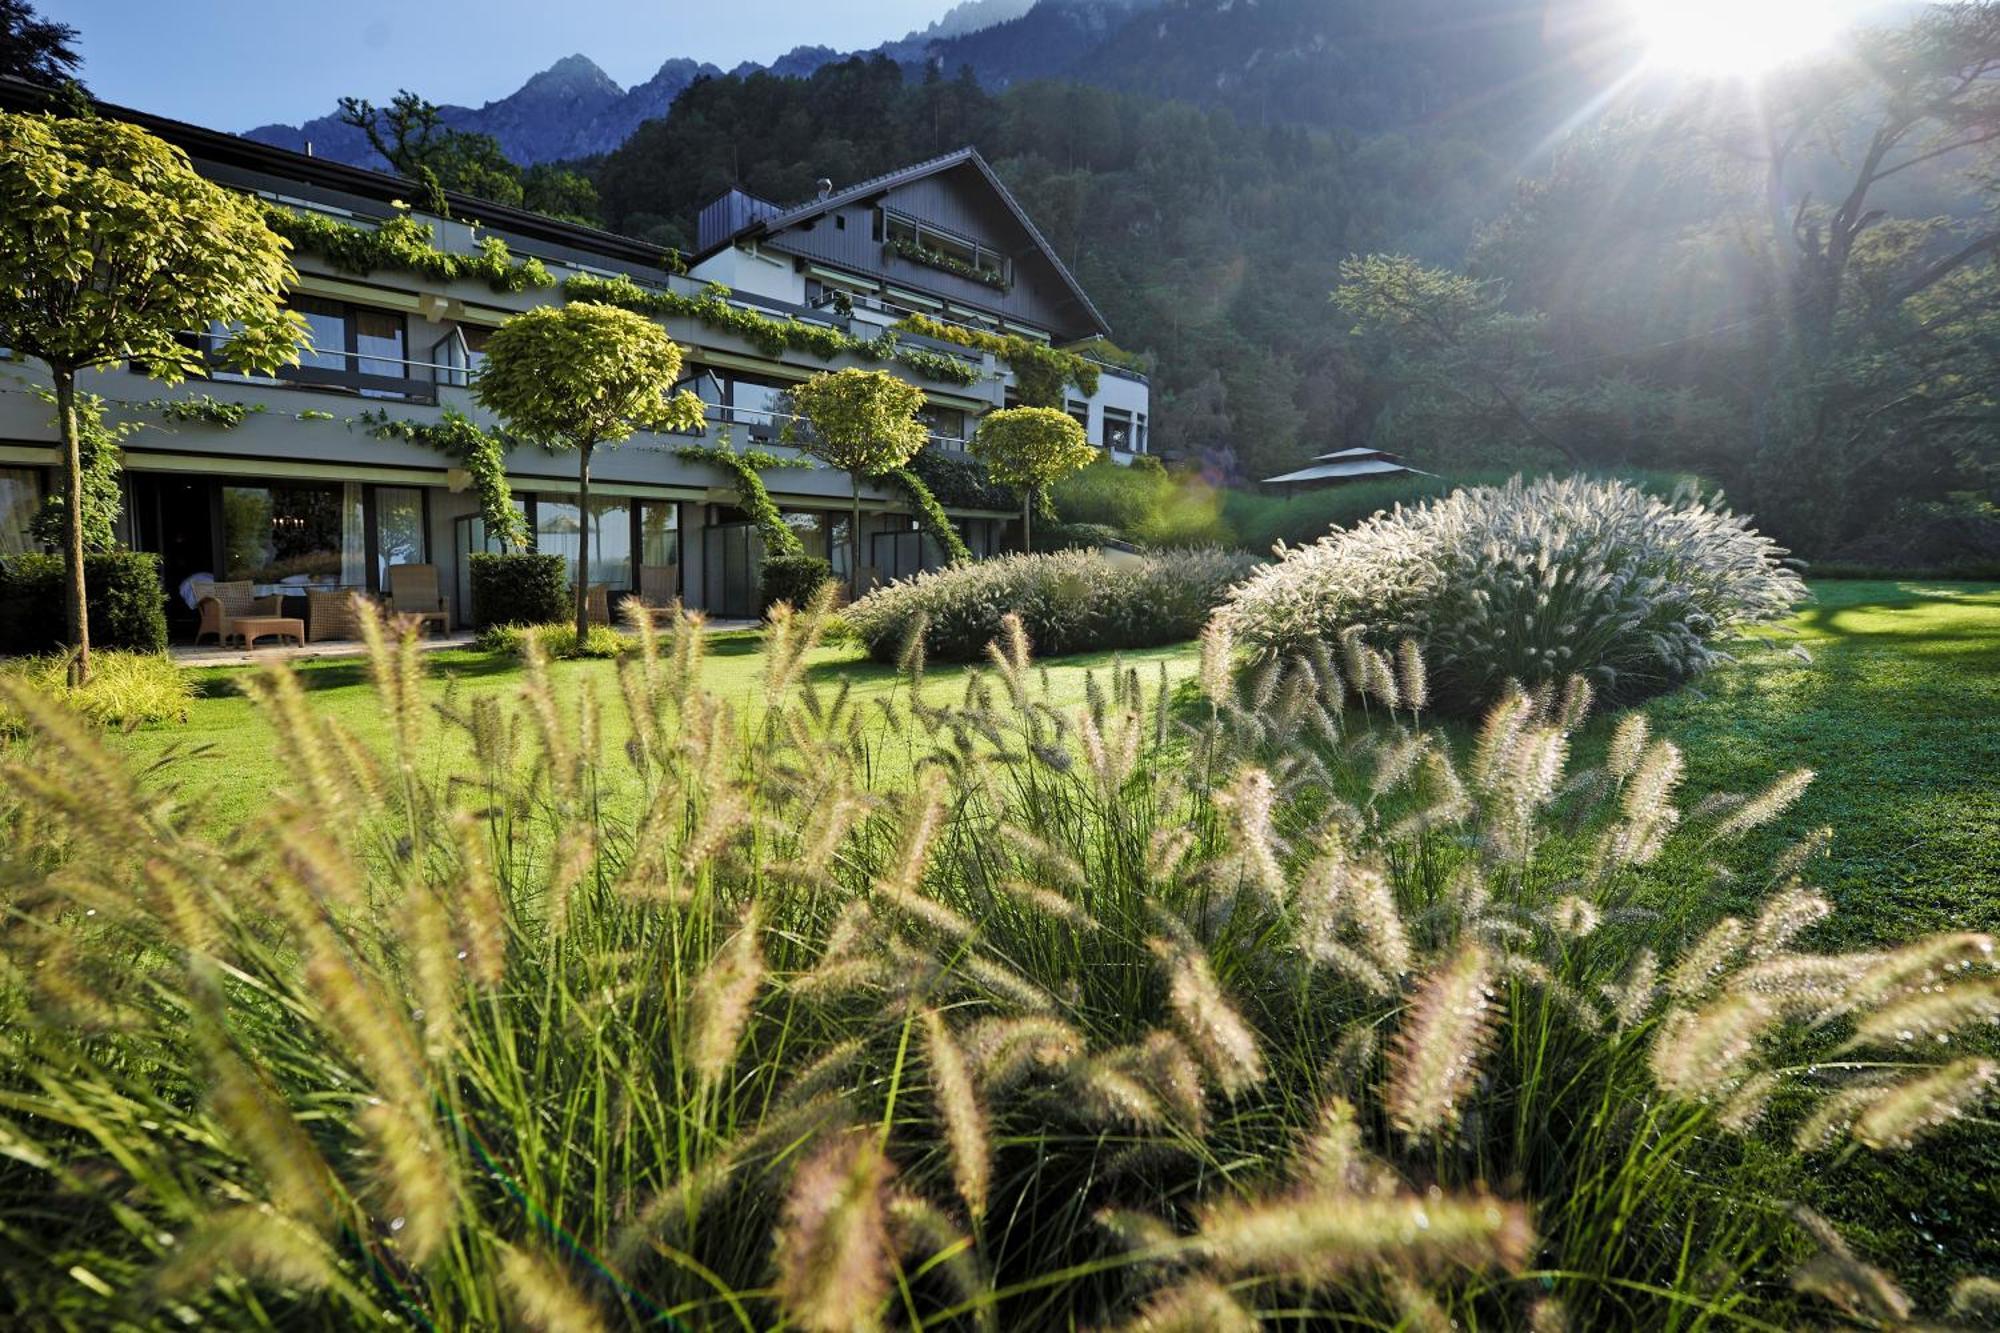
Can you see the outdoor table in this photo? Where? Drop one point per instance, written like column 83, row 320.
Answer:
column 252, row 628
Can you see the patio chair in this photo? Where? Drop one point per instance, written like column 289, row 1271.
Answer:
column 413, row 591
column 332, row 614
column 224, row 603
column 597, row 604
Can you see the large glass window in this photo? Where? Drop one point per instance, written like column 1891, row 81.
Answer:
column 659, row 533
column 289, row 534
column 399, row 529
column 945, row 424
column 759, row 406
column 1117, row 429
column 811, row 529
column 557, row 528
column 20, row 498
column 348, row 342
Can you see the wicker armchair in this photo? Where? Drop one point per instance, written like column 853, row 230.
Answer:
column 224, row 603
column 413, row 591
column 597, row 604
column 332, row 614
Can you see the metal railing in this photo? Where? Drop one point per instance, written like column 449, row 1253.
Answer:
column 367, row 374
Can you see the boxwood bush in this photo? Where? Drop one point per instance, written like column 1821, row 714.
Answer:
column 1532, row 582
column 521, row 589
column 1068, row 601
column 127, row 603
column 791, row 578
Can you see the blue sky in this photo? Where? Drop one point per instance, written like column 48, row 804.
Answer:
column 232, row 64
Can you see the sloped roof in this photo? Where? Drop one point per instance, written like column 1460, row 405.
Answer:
column 891, row 180
column 1350, row 470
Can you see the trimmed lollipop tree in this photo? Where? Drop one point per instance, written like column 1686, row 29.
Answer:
column 578, row 376
column 1030, row 448
column 111, row 247
column 865, row 422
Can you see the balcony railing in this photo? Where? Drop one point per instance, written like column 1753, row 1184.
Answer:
column 364, row 374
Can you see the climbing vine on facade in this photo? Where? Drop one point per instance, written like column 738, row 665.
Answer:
column 1040, row 371
column 752, row 497
column 482, row 453
column 405, row 244
column 930, row 515
column 712, row 309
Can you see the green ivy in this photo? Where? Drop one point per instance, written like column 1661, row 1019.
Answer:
column 712, row 309
column 481, row 453
column 779, row 539
column 918, row 253
column 403, row 243
column 214, row 411
column 1040, row 371
column 313, row 414
column 103, row 492
column 931, row 516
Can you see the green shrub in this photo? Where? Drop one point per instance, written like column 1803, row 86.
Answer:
column 792, row 579
column 1144, row 503
column 1260, row 520
column 125, row 689
column 1069, row 602
column 520, row 589
column 558, row 640
column 959, row 481
column 1530, row 583
column 126, row 602
column 1078, row 537
column 1245, row 1010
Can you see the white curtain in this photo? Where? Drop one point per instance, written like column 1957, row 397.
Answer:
column 353, row 538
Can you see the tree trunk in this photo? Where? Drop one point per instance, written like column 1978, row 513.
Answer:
column 75, row 608
column 1028, row 522
column 583, row 546
column 854, row 539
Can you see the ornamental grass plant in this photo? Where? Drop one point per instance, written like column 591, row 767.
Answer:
column 1529, row 582
column 1067, row 602
column 1259, row 1003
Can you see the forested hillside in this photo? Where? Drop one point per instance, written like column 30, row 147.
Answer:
column 1210, row 243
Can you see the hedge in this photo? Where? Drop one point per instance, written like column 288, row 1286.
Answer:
column 791, row 578
column 520, row 589
column 127, row 604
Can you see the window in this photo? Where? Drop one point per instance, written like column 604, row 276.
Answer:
column 1139, row 434
column 659, row 533
column 925, row 243
column 945, row 424
column 1117, row 429
column 20, row 500
column 357, row 348
column 760, row 405
column 1081, row 413
column 285, row 533
column 557, row 528
column 399, row 529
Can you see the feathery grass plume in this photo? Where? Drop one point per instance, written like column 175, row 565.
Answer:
column 964, row 1114
column 1131, row 1229
column 482, row 914
column 1005, row 1049
column 1793, row 859
column 369, row 1028
column 833, row 1237
column 824, row 1074
column 412, row 1176
column 1837, row 1277
column 1746, row 1105
column 1035, row 898
column 1193, row 1305
column 1213, row 1028
column 1648, row 801
column 397, row 674
column 923, row 818
column 1498, row 733
column 924, row 1234
column 1252, row 859
column 1836, row 1113
column 1381, row 678
column 1976, row 1298
column 1434, row 1059
column 430, row 952
column 1417, row 1311
column 1370, row 902
column 575, row 855
column 260, row 1244
column 910, row 658
column 1919, row 963
column 1703, row 1054
column 1412, row 675
column 1395, row 762
column 1905, row 1112
column 297, row 733
column 297, row 1178
column 1784, row 915
column 1574, row 916
column 1932, row 1014
column 1628, row 744
column 1218, row 662
column 1166, row 851
column 1332, row 1158
column 1173, row 1074
column 1106, row 1092
column 541, row 1297
column 719, row 1009
column 1695, row 975
column 1765, row 806
column 1802, row 984
column 1324, row 1237
column 998, row 979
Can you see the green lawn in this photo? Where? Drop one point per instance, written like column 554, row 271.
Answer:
column 1899, row 712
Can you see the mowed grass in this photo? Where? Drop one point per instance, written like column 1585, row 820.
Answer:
column 223, row 758
column 1898, row 713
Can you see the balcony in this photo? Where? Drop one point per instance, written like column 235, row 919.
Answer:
column 355, row 374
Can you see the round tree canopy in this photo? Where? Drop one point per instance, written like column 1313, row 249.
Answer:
column 579, row 375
